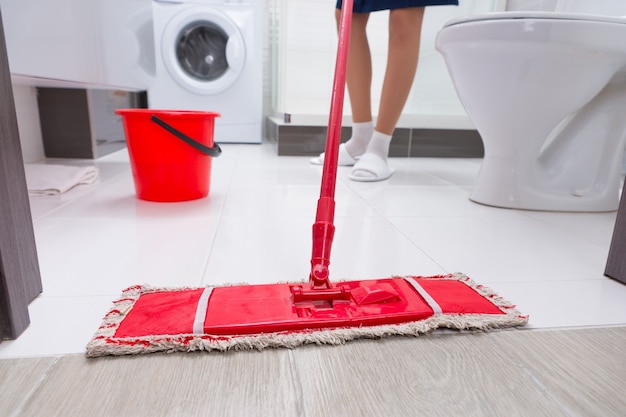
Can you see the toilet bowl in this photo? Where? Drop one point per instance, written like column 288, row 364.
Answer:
column 547, row 93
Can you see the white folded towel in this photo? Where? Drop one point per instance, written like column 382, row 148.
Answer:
column 43, row 179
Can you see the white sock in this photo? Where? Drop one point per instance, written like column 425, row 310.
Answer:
column 361, row 134
column 379, row 145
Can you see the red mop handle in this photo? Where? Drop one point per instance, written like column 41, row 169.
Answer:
column 324, row 229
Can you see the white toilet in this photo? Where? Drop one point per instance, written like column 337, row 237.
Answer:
column 547, row 93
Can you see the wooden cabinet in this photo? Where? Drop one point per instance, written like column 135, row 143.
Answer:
column 20, row 279
column 52, row 39
column 87, row 43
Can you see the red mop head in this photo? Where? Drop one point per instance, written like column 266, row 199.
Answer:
column 147, row 320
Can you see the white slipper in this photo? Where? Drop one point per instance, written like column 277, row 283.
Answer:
column 370, row 168
column 344, row 159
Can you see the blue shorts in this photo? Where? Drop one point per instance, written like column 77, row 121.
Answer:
column 366, row 6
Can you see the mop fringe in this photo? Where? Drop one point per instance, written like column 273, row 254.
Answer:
column 105, row 343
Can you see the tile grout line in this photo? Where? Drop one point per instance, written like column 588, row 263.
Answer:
column 419, row 248
column 556, row 228
column 93, row 188
column 393, row 226
column 220, row 217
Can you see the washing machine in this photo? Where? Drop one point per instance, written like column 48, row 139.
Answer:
column 209, row 56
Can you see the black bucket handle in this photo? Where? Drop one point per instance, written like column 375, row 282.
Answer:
column 215, row 151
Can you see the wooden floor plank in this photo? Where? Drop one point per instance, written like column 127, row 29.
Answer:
column 576, row 372
column 19, row 378
column 220, row 384
column 446, row 375
column 585, row 369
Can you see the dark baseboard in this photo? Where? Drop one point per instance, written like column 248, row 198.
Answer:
column 74, row 125
column 298, row 140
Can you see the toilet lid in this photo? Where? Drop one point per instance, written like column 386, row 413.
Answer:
column 535, row 16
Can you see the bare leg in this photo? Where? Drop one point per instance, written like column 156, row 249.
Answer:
column 405, row 27
column 359, row 71
column 359, row 82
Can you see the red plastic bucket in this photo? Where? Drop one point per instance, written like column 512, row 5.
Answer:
column 170, row 152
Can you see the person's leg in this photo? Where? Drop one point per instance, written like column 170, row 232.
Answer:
column 358, row 81
column 359, row 70
column 405, row 26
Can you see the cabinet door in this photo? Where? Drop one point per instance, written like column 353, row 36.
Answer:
column 126, row 43
column 20, row 280
column 52, row 39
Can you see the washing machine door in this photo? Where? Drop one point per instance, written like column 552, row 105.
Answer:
column 203, row 50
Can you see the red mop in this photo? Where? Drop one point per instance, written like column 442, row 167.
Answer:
column 287, row 315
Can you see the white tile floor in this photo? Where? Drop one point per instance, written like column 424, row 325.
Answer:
column 255, row 227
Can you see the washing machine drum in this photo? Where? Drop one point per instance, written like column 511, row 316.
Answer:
column 203, row 52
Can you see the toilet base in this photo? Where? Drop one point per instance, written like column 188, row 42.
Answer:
column 563, row 206
column 547, row 94
column 498, row 185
